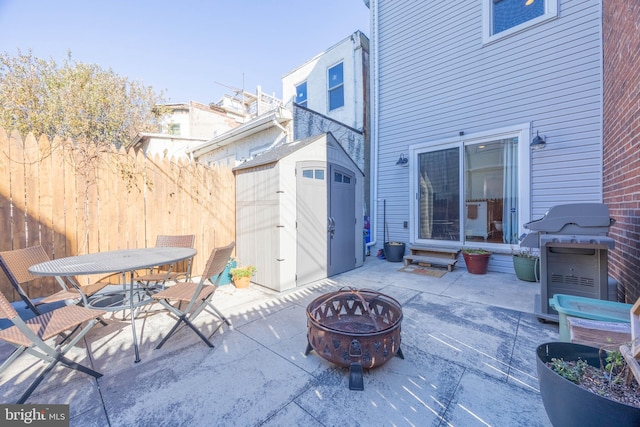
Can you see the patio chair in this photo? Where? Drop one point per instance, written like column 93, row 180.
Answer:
column 197, row 296
column 29, row 337
column 159, row 276
column 16, row 265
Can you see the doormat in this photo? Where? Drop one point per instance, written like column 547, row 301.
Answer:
column 423, row 271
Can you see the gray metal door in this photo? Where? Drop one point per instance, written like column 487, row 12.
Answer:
column 342, row 221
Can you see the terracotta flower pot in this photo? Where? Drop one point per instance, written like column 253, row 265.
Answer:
column 477, row 263
column 242, row 282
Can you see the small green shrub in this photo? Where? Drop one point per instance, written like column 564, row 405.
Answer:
column 571, row 371
column 238, row 272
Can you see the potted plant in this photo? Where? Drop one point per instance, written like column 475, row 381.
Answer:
column 527, row 265
column 394, row 251
column 579, row 386
column 477, row 260
column 242, row 275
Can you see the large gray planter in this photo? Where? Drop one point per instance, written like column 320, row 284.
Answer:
column 394, row 251
column 569, row 405
column 527, row 268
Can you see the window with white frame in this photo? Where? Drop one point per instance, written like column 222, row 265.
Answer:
column 502, row 18
column 301, row 94
column 312, row 173
column 174, row 129
column 473, row 191
column 335, row 85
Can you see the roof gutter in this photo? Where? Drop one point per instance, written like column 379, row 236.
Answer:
column 234, row 134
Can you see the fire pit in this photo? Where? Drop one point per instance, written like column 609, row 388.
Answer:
column 356, row 329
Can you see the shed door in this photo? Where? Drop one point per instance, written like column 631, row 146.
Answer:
column 342, row 220
column 311, row 221
column 325, row 198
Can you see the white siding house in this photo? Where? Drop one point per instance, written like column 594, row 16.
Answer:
column 246, row 141
column 265, row 124
column 461, row 89
column 329, row 93
column 185, row 127
column 333, row 83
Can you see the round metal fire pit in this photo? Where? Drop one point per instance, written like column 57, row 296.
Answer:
column 352, row 326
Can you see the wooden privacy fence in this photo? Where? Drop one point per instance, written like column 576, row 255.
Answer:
column 75, row 198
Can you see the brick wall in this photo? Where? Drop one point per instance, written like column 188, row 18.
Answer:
column 621, row 169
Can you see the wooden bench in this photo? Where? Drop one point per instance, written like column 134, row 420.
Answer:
column 432, row 256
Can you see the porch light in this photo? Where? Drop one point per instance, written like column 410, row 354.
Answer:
column 402, row 161
column 538, row 141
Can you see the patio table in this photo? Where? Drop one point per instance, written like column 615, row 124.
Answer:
column 120, row 261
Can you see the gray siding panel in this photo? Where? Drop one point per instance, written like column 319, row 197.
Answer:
column 436, row 78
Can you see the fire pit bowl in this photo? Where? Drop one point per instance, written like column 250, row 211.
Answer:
column 356, row 329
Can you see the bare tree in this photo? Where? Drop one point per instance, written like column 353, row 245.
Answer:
column 79, row 101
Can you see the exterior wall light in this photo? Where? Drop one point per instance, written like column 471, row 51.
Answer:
column 402, row 161
column 538, row 141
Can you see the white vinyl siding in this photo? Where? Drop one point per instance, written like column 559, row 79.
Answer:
column 436, row 79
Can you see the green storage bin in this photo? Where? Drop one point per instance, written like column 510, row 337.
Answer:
column 587, row 308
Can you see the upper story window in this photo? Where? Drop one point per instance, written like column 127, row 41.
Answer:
column 174, row 129
column 502, row 18
column 301, row 94
column 336, row 86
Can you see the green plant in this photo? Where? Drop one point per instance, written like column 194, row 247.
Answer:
column 615, row 366
column 239, row 272
column 476, row 251
column 572, row 371
column 612, row 379
column 524, row 253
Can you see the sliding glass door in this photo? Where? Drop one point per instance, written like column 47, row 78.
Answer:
column 439, row 195
column 468, row 191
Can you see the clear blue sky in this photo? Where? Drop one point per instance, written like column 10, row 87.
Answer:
column 184, row 48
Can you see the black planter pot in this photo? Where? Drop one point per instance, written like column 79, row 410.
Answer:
column 568, row 404
column 394, row 251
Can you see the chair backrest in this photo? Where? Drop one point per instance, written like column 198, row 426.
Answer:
column 16, row 265
column 6, row 309
column 217, row 262
column 177, row 241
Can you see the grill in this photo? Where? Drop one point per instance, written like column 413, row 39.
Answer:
column 574, row 246
column 356, row 329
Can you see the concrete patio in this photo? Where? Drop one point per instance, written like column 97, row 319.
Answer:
column 468, row 340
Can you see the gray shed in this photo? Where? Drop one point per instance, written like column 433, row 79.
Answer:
column 299, row 213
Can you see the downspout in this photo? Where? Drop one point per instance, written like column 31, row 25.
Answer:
column 283, row 129
column 374, row 108
column 279, row 126
column 354, row 76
